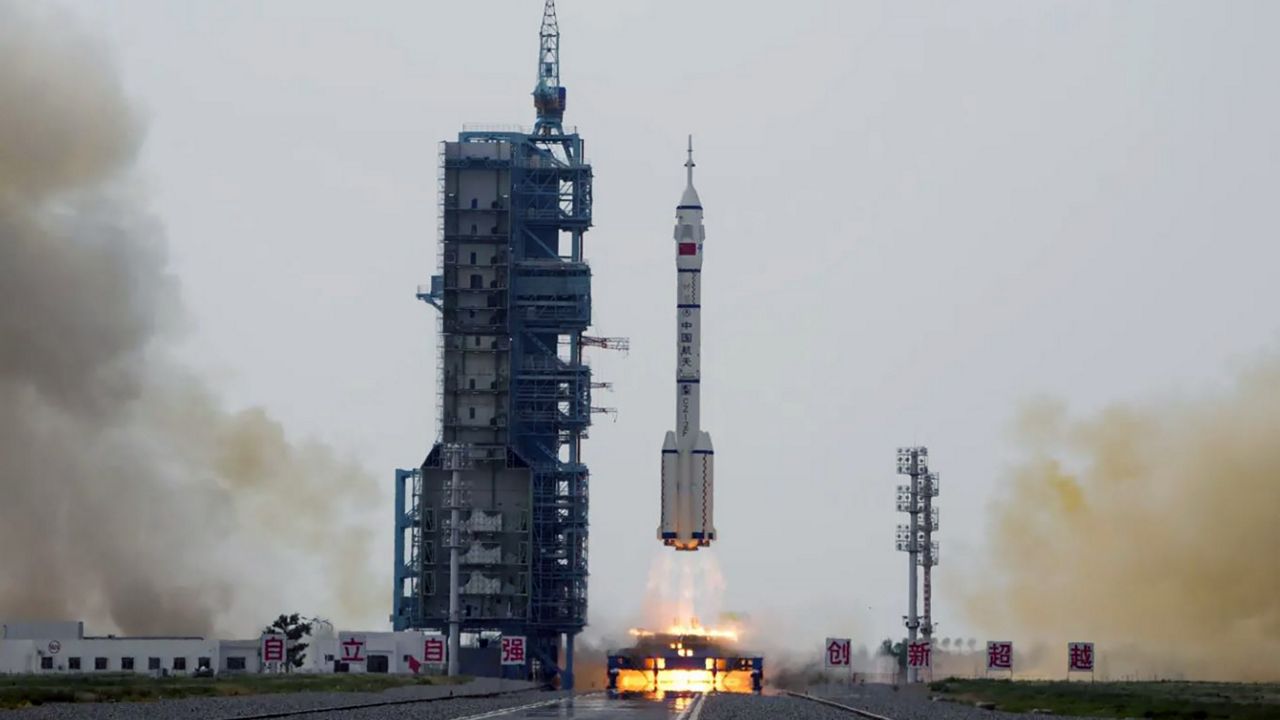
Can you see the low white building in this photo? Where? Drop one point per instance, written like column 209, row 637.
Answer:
column 62, row 647
column 239, row 656
column 374, row 652
column 53, row 647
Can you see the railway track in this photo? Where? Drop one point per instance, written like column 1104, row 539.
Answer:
column 399, row 702
column 591, row 706
column 833, row 704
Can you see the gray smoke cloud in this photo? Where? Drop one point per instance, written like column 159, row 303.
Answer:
column 129, row 497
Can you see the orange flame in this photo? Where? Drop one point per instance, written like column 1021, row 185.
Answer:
column 691, row 627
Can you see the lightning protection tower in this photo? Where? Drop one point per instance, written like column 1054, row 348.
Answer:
column 514, row 403
column 916, row 537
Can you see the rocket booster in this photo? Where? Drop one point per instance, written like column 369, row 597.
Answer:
column 688, row 460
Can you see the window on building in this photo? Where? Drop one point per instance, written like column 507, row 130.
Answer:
column 473, row 229
column 204, row 662
column 126, row 663
column 475, row 202
column 472, row 412
column 477, row 282
column 153, row 663
column 473, row 258
column 99, row 663
column 179, row 663
column 46, row 662
column 73, row 663
column 235, row 663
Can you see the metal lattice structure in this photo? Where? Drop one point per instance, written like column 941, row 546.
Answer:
column 916, row 537
column 514, row 295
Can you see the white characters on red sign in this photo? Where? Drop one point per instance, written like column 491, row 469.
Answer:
column 1000, row 655
column 836, row 652
column 512, row 650
column 352, row 649
column 273, row 648
column 433, row 651
column 1080, row 657
column 919, row 654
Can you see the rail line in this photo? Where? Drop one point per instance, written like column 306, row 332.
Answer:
column 387, row 703
column 832, row 704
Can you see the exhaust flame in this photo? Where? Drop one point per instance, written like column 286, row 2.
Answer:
column 691, row 628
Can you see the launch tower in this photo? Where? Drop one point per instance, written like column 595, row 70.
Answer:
column 504, row 489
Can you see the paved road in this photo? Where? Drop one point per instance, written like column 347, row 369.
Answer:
column 598, row 706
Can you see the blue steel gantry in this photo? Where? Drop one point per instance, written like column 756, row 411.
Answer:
column 514, row 296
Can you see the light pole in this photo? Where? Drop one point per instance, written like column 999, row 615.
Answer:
column 913, row 462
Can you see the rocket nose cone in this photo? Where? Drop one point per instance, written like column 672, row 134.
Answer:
column 690, row 198
column 669, row 442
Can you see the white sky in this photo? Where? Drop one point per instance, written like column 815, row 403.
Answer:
column 919, row 216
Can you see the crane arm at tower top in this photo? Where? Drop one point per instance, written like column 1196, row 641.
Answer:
column 549, row 36
column 548, row 95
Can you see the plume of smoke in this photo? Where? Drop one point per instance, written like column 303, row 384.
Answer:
column 683, row 588
column 131, row 498
column 1150, row 530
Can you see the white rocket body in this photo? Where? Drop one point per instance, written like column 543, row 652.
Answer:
column 688, row 460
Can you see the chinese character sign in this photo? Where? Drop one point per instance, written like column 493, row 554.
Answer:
column 512, row 650
column 836, row 652
column 351, row 647
column 273, row 648
column 919, row 654
column 1000, row 655
column 433, row 651
column 1080, row 657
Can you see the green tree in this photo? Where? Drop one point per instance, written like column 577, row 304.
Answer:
column 895, row 650
column 294, row 627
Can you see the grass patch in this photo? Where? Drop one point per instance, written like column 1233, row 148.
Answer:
column 1158, row 700
column 26, row 690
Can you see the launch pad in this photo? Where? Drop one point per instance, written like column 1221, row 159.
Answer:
column 689, row 660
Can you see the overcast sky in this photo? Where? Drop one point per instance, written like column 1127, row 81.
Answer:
column 919, row 216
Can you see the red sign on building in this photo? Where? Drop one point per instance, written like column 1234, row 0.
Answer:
column 352, row 648
column 1080, row 657
column 512, row 650
column 273, row 648
column 433, row 651
column 1000, row 655
column 919, row 654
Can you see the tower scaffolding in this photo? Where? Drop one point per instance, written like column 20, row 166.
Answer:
column 514, row 294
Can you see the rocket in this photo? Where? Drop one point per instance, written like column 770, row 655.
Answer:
column 688, row 460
